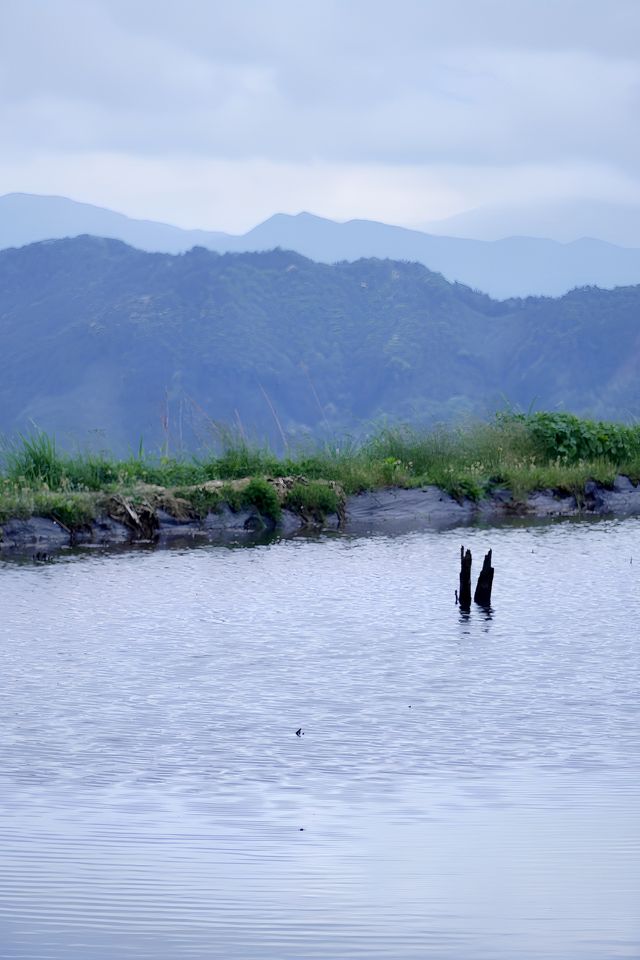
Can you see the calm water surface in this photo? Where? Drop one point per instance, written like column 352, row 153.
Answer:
column 465, row 787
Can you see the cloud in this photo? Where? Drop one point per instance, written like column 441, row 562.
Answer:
column 348, row 92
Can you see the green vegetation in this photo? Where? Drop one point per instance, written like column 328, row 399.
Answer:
column 72, row 509
column 519, row 452
column 317, row 499
column 260, row 494
column 564, row 436
column 201, row 500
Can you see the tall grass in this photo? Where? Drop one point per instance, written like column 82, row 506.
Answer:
column 521, row 452
column 33, row 459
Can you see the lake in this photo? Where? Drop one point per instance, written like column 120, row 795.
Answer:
column 463, row 786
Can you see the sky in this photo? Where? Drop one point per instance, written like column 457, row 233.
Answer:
column 218, row 114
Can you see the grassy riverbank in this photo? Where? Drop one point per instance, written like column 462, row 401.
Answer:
column 517, row 452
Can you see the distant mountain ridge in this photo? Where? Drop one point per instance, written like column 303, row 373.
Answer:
column 564, row 220
column 517, row 266
column 96, row 335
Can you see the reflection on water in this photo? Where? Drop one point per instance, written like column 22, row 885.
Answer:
column 466, row 785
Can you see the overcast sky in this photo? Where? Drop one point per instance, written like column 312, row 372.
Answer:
column 218, row 113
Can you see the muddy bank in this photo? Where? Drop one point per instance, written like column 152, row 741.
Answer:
column 44, row 535
column 396, row 510
column 209, row 512
column 389, row 510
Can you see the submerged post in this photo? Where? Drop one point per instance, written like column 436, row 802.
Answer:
column 482, row 596
column 465, row 579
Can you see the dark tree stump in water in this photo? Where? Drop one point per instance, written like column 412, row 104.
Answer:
column 465, row 579
column 482, row 596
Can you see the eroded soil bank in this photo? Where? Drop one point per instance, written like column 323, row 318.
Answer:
column 389, row 510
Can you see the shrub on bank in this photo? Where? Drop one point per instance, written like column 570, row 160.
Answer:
column 565, row 437
column 261, row 495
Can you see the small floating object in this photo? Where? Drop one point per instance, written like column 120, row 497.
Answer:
column 299, row 732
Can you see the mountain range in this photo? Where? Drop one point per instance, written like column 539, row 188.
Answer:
column 99, row 336
column 509, row 267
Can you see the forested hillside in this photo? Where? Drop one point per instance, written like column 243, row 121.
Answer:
column 97, row 336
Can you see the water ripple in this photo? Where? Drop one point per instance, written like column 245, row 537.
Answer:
column 464, row 786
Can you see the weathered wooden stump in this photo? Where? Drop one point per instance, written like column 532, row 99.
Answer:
column 465, row 579
column 482, row 596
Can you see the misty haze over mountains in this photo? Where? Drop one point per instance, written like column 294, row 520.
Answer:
column 563, row 220
column 507, row 267
column 99, row 336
